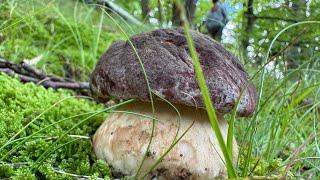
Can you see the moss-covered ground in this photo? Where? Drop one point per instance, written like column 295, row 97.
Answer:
column 67, row 37
column 52, row 114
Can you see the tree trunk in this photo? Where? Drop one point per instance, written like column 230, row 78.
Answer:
column 249, row 23
column 145, row 9
column 160, row 13
column 249, row 20
column 175, row 16
column 190, row 7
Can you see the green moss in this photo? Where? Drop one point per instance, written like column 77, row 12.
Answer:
column 70, row 37
column 20, row 104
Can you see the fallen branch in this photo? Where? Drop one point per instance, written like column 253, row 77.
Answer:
column 117, row 9
column 27, row 73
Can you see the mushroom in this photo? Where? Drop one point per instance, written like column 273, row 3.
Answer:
column 122, row 140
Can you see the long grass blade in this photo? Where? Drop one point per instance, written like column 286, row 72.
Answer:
column 205, row 94
column 46, row 153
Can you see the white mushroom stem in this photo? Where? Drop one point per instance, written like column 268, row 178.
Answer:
column 123, row 138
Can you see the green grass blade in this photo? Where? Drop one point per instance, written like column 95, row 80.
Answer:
column 25, row 139
column 260, row 91
column 205, row 94
column 166, row 152
column 34, row 119
column 148, row 86
column 46, row 153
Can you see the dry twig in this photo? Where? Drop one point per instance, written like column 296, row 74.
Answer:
column 27, row 73
column 296, row 154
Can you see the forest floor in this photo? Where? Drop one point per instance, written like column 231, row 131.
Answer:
column 47, row 134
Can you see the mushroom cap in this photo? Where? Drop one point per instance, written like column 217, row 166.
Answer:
column 170, row 72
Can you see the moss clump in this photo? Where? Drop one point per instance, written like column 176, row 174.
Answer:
column 22, row 103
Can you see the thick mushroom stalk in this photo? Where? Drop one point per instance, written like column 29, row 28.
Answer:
column 123, row 138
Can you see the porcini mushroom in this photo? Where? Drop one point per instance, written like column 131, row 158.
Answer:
column 122, row 140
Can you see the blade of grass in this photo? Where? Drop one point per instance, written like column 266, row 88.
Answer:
column 118, row 16
column 75, row 33
column 25, row 139
column 286, row 121
column 42, row 157
column 134, row 113
column 26, row 16
column 205, row 93
column 269, row 51
column 175, row 109
column 260, row 92
column 148, row 86
column 96, row 40
column 315, row 127
column 79, row 39
column 37, row 117
column 166, row 152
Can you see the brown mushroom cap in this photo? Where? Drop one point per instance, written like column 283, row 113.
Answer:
column 170, row 71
